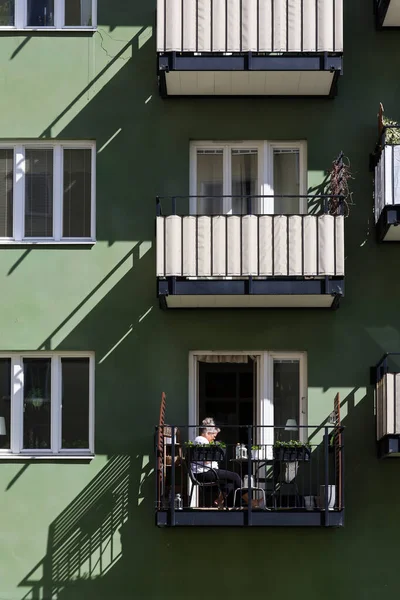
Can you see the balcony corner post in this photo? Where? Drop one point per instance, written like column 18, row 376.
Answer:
column 249, row 489
column 326, row 490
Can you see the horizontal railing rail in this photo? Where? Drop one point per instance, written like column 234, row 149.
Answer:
column 269, row 468
column 265, row 26
column 252, row 245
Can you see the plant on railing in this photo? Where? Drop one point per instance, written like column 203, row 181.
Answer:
column 392, row 131
column 214, row 451
column 338, row 186
column 292, row 451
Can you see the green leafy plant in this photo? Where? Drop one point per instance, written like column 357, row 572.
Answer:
column 256, row 448
column 221, row 445
column 291, row 444
column 392, row 131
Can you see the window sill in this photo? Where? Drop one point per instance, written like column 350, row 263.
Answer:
column 47, row 242
column 48, row 457
column 48, row 29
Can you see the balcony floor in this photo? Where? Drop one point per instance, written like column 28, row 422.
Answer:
column 242, row 518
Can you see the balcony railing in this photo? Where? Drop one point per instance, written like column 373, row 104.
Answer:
column 273, row 479
column 300, row 41
column 387, row 13
column 386, row 163
column 386, row 377
column 252, row 259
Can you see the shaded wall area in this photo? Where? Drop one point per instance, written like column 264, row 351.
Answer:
column 76, row 530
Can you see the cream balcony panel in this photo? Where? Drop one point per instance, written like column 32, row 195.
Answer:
column 280, row 245
column 173, row 25
column 326, row 243
column 249, row 25
column 392, row 18
column 310, row 246
column 265, row 26
column 279, row 25
column 380, row 401
column 325, row 26
column 189, row 246
column 218, row 24
column 309, row 26
column 339, row 230
column 189, row 25
column 295, row 246
column 388, row 394
column 265, row 246
column 204, row 246
column 294, row 21
column 204, row 26
column 219, row 246
column 173, row 247
column 160, row 241
column 234, row 250
column 160, row 26
column 338, row 25
column 234, row 20
column 249, row 245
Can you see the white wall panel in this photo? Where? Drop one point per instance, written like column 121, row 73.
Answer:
column 294, row 21
column 326, row 242
column 204, row 26
column 265, row 245
column 204, row 246
column 219, row 246
column 310, row 245
column 189, row 246
column 295, row 246
column 339, row 224
column 234, row 249
column 249, row 245
column 189, row 25
column 160, row 247
column 265, row 26
column 173, row 247
column 280, row 245
column 249, row 25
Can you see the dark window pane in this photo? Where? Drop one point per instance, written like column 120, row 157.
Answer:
column 40, row 13
column 37, row 406
column 5, row 402
column 6, row 13
column 220, row 385
column 77, row 193
column 39, row 193
column 78, row 13
column 246, row 385
column 6, row 192
column 75, row 402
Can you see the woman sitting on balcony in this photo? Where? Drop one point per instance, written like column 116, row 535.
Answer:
column 204, row 472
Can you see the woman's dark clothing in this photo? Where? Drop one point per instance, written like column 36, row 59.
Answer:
column 228, row 481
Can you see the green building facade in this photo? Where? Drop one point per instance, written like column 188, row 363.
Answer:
column 77, row 527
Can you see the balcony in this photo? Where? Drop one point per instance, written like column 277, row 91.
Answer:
column 386, row 166
column 249, row 47
column 387, row 13
column 386, row 378
column 253, row 260
column 278, row 483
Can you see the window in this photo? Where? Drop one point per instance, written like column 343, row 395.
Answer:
column 55, row 14
column 47, row 192
column 46, row 404
column 226, row 178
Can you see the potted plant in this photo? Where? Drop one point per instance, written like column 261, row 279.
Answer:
column 214, row 451
column 294, row 450
column 256, row 452
column 35, row 397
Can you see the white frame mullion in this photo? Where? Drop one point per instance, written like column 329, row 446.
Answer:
column 19, row 193
column 58, row 184
column 59, row 14
column 20, row 14
column 56, row 406
column 17, row 405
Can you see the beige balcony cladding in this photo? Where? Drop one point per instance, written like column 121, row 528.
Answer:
column 259, row 26
column 243, row 246
column 388, row 405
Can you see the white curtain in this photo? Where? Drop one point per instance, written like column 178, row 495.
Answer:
column 223, row 358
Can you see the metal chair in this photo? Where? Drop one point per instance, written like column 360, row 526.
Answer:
column 201, row 484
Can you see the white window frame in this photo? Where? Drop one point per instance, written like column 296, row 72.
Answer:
column 21, row 16
column 264, row 393
column 17, row 406
column 58, row 148
column 265, row 183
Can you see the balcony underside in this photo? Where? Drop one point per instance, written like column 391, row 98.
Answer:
column 257, row 518
column 249, row 75
column 388, row 14
column 250, row 293
column 388, row 225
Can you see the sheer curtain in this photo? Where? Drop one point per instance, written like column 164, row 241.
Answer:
column 287, row 180
column 210, row 182
column 223, row 358
column 244, row 179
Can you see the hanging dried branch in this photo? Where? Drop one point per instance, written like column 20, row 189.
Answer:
column 340, row 175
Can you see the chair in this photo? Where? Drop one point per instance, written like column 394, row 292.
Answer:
column 200, row 484
column 253, row 488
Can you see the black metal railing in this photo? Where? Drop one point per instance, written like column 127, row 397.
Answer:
column 245, row 204
column 264, row 40
column 261, row 468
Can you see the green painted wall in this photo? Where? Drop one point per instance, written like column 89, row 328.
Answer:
column 55, row 518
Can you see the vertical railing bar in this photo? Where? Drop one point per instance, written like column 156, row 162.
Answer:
column 212, row 26
column 258, row 245
column 258, row 25
column 334, row 246
column 334, row 24
column 326, row 501
column 273, row 245
column 342, row 467
column 394, row 402
column 226, row 25
column 182, row 24
column 157, row 471
column 182, row 218
column 226, row 246
column 241, row 26
column 302, row 26
column 172, row 507
column 287, row 244
column 165, row 25
column 316, row 25
column 197, row 25
column 317, row 236
column 302, row 245
column 197, row 245
column 287, row 25
column 241, row 245
column 165, row 245
column 249, row 489
column 212, row 245
column 392, row 151
column 272, row 26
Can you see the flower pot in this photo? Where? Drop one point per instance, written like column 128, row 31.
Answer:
column 302, row 453
column 309, row 502
column 331, row 497
column 255, row 454
column 206, row 454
